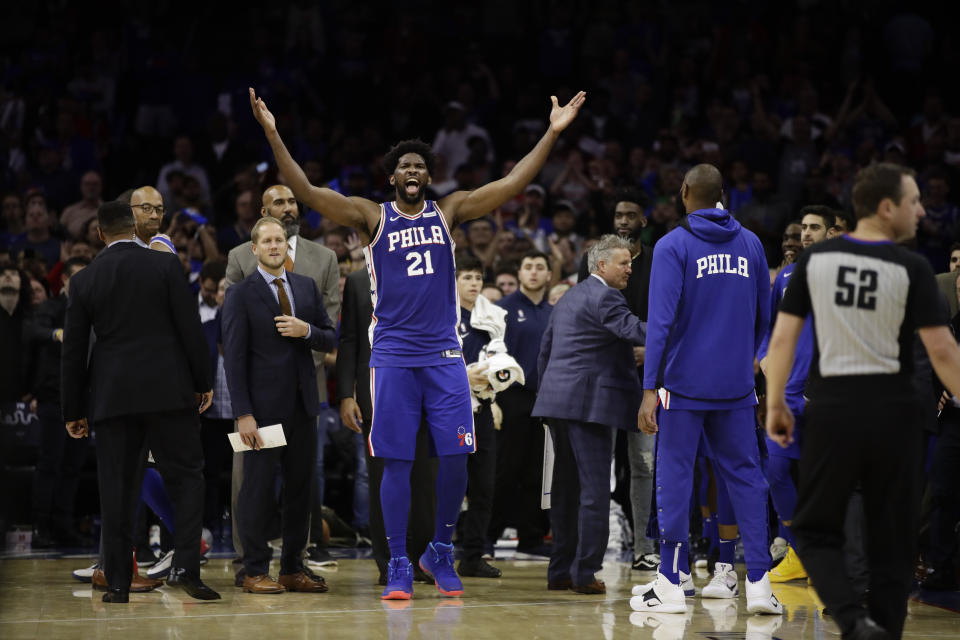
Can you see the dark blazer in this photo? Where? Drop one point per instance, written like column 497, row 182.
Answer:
column 353, row 353
column 149, row 354
column 587, row 370
column 264, row 369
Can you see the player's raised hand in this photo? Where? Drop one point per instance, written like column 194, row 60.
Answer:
column 560, row 117
column 261, row 113
column 779, row 423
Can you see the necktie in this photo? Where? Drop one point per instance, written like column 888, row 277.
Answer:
column 288, row 263
column 284, row 300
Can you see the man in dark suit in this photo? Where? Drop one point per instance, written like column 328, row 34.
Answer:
column 140, row 387
column 353, row 389
column 588, row 383
column 304, row 257
column 272, row 320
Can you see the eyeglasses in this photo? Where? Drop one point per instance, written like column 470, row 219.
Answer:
column 148, row 208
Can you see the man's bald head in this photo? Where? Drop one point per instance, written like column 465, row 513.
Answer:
column 280, row 203
column 147, row 205
column 702, row 188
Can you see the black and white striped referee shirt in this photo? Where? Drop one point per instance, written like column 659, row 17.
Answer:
column 867, row 299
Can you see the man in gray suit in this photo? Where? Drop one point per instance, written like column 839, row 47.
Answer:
column 304, row 257
column 588, row 383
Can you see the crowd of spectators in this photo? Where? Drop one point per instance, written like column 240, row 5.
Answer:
column 788, row 100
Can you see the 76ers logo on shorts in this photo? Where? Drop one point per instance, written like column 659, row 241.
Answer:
column 464, row 437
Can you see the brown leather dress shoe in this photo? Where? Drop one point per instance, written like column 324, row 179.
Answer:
column 560, row 585
column 594, row 588
column 303, row 582
column 139, row 584
column 262, row 584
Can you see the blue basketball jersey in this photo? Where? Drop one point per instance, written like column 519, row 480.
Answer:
column 413, row 285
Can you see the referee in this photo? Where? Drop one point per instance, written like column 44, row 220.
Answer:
column 867, row 296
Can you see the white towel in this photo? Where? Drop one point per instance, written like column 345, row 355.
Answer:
column 488, row 317
column 501, row 369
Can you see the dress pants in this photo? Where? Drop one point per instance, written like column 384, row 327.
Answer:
column 878, row 445
column 579, row 500
column 944, row 486
column 481, row 476
column 59, row 461
column 257, row 504
column 216, row 457
column 519, row 470
column 122, row 443
column 423, row 499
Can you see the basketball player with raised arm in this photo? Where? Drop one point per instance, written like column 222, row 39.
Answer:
column 416, row 364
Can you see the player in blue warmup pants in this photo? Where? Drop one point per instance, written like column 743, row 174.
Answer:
column 708, row 309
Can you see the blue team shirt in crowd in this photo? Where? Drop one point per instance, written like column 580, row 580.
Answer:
column 804, row 353
column 526, row 323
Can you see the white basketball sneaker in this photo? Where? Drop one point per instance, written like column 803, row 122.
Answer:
column 760, row 598
column 660, row 596
column 686, row 583
column 723, row 584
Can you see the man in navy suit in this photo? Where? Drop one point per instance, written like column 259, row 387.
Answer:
column 271, row 321
column 588, row 383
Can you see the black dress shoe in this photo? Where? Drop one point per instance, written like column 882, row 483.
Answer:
column 117, row 596
column 239, row 577
column 420, row 576
column 193, row 586
column 478, row 568
column 867, row 629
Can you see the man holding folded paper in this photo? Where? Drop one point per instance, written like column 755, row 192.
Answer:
column 272, row 320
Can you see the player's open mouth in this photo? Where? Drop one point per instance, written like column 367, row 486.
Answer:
column 412, row 187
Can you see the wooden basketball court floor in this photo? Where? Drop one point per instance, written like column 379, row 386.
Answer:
column 39, row 599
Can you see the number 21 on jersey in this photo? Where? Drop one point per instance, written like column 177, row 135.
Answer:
column 419, row 263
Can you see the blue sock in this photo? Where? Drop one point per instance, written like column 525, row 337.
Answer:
column 673, row 560
column 755, row 575
column 451, row 487
column 728, row 550
column 154, row 493
column 395, row 501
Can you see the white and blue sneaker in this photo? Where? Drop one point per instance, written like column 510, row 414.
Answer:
column 162, row 567
column 760, row 598
column 724, row 584
column 660, row 596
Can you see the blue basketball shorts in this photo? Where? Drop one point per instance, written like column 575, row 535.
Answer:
column 401, row 396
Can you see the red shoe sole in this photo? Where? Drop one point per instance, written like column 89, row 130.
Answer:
column 446, row 593
column 396, row 595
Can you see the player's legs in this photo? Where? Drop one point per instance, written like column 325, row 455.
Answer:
column 449, row 415
column 727, row 531
column 732, row 438
column 678, row 438
column 829, row 470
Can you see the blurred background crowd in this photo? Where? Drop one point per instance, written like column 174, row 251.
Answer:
column 787, row 99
